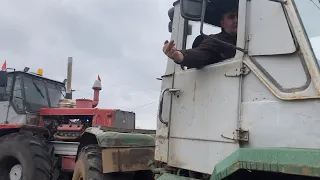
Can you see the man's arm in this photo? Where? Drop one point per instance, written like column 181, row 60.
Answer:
column 206, row 53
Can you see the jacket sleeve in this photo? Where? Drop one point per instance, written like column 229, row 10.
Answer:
column 206, row 53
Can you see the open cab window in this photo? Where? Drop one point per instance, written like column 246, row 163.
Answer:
column 211, row 24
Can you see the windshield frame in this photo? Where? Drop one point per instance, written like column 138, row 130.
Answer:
column 45, row 91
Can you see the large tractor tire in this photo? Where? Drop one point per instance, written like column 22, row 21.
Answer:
column 89, row 166
column 25, row 157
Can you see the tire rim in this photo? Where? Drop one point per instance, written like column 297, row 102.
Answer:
column 16, row 172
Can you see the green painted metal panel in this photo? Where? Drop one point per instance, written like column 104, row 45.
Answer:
column 284, row 160
column 120, row 139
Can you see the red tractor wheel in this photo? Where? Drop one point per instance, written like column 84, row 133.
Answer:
column 89, row 166
column 24, row 156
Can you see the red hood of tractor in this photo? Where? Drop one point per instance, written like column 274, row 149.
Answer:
column 74, row 111
column 101, row 117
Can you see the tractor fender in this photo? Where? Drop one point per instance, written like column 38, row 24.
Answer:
column 116, row 138
column 88, row 137
column 126, row 149
column 6, row 129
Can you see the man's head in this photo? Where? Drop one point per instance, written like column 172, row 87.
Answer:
column 229, row 21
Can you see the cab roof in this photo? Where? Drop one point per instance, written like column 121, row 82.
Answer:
column 37, row 75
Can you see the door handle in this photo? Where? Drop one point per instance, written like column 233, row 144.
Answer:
column 171, row 90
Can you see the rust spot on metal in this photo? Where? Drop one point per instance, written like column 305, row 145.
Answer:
column 235, row 166
column 306, row 171
column 135, row 157
column 126, row 159
column 175, row 160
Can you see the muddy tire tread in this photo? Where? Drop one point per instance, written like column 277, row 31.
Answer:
column 41, row 152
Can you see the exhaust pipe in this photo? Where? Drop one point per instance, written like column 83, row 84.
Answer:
column 96, row 91
column 69, row 78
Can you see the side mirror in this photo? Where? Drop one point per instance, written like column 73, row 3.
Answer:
column 170, row 14
column 192, row 9
column 3, row 79
column 170, row 26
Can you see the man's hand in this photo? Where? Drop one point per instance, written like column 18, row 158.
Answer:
column 170, row 50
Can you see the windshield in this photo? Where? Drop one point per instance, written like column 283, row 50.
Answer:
column 41, row 93
column 35, row 93
column 309, row 11
column 56, row 93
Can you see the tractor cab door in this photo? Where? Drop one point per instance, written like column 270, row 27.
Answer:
column 204, row 105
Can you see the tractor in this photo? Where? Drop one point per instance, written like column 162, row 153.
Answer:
column 45, row 135
column 253, row 116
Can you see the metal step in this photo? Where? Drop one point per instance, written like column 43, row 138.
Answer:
column 65, row 148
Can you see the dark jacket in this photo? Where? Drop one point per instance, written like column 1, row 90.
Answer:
column 209, row 51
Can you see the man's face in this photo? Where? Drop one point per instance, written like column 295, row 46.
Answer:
column 229, row 22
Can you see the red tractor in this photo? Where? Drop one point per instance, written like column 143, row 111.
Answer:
column 45, row 135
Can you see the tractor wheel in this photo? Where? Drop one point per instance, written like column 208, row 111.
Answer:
column 24, row 156
column 89, row 166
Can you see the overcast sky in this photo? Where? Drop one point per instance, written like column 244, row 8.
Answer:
column 120, row 40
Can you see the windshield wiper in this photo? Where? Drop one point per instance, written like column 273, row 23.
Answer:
column 37, row 88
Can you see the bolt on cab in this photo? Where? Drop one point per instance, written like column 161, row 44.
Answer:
column 257, row 111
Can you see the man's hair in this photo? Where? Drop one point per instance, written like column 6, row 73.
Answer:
column 218, row 8
column 226, row 11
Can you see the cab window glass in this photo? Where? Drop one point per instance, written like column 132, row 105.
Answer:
column 36, row 94
column 55, row 94
column 9, row 84
column 17, row 98
column 6, row 91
